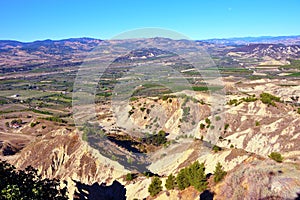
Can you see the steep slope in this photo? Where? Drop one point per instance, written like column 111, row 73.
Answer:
column 261, row 180
column 62, row 154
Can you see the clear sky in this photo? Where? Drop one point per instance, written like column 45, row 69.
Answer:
column 28, row 20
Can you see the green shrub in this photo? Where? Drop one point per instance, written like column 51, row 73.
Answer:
column 33, row 124
column 133, row 98
column 84, row 136
column 257, row 123
column 249, row 99
column 233, row 102
column 298, row 111
column 216, row 148
column 202, row 126
column 226, row 126
column 165, row 98
column 129, row 177
column 276, row 156
column 218, row 118
column 130, row 112
column 155, row 187
column 207, row 121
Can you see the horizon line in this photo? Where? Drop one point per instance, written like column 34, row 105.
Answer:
column 87, row 37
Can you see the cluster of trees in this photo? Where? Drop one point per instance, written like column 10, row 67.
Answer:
column 193, row 175
column 156, row 139
column 269, row 99
column 27, row 184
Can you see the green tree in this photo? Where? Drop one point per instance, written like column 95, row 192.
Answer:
column 196, row 176
column 182, row 179
column 155, row 186
column 170, row 182
column 219, row 173
column 26, row 184
column 193, row 175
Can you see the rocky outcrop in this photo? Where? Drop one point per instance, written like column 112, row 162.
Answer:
column 260, row 180
column 62, row 154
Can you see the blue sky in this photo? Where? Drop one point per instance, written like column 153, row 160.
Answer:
column 28, row 20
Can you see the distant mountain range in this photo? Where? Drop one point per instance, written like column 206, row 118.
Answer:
column 287, row 40
column 51, row 54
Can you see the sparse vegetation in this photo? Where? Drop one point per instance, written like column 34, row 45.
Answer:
column 186, row 113
column 41, row 112
column 55, row 119
column 218, row 118
column 236, row 102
